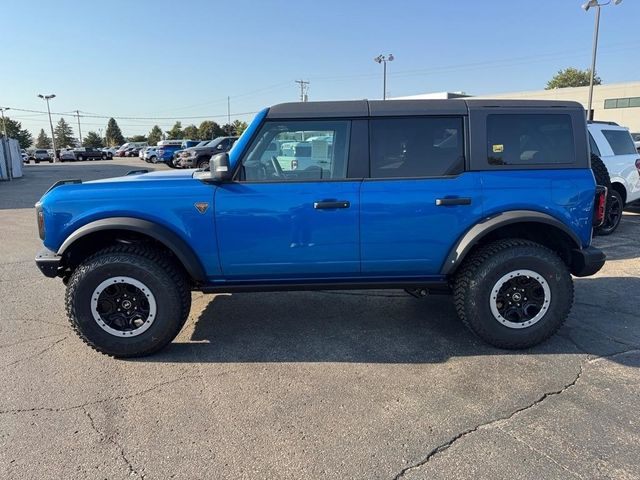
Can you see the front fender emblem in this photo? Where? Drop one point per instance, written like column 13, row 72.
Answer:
column 201, row 206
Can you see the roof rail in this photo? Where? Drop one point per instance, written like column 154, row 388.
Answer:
column 603, row 122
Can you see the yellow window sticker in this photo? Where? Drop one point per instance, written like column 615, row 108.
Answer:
column 498, row 148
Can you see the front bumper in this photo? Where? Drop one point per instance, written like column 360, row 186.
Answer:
column 587, row 261
column 187, row 162
column 48, row 262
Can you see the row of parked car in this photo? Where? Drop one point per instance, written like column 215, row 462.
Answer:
column 186, row 153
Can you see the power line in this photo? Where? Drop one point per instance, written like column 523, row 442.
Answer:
column 304, row 88
column 117, row 117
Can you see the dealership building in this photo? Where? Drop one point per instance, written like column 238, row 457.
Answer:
column 613, row 102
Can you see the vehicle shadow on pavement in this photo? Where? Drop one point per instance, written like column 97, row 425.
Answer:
column 389, row 327
column 624, row 243
column 25, row 191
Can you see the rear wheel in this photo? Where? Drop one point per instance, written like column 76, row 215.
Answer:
column 513, row 293
column 80, row 158
column 613, row 214
column 615, row 204
column 128, row 301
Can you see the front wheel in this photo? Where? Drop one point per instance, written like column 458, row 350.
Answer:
column 203, row 164
column 513, row 293
column 128, row 300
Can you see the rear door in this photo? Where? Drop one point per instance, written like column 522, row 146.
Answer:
column 419, row 199
column 279, row 222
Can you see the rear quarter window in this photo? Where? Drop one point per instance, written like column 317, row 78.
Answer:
column 620, row 141
column 530, row 139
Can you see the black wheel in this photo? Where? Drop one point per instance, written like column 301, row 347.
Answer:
column 104, row 157
column 37, row 161
column 203, row 164
column 170, row 163
column 50, row 161
column 80, row 158
column 128, row 300
column 513, row 293
column 613, row 214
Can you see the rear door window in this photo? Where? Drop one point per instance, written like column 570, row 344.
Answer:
column 593, row 146
column 620, row 141
column 530, row 139
column 416, row 147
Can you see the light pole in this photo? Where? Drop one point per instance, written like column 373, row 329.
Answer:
column 4, row 125
column 53, row 136
column 586, row 7
column 384, row 59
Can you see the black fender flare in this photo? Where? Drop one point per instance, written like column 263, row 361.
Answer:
column 472, row 236
column 168, row 238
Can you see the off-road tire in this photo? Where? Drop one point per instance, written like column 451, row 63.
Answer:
column 151, row 266
column 474, row 281
column 600, row 171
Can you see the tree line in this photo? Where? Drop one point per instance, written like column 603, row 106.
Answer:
column 65, row 138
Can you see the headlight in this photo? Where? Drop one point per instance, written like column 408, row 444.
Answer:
column 40, row 220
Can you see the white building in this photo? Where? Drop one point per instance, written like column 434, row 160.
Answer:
column 614, row 102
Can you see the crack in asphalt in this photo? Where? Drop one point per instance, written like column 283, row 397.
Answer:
column 28, row 340
column 444, row 446
column 132, row 470
column 541, row 453
column 95, row 402
column 35, row 355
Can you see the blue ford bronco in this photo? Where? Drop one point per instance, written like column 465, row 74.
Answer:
column 492, row 201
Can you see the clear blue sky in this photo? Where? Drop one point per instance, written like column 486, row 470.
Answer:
column 182, row 58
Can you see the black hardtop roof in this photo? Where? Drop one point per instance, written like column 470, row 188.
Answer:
column 386, row 108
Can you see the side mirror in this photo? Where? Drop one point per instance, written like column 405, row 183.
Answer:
column 219, row 168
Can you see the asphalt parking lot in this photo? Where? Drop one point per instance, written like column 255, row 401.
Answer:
column 363, row 385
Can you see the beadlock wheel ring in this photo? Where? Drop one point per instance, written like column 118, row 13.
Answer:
column 520, row 299
column 108, row 302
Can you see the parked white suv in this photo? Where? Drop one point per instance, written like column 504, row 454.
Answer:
column 614, row 145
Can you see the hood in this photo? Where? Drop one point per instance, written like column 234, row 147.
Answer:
column 162, row 175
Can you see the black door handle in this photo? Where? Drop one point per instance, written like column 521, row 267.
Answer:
column 328, row 204
column 444, row 202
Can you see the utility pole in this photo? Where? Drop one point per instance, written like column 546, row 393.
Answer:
column 79, row 129
column 4, row 125
column 53, row 136
column 229, row 115
column 7, row 160
column 304, row 88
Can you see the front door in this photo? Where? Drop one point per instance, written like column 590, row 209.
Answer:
column 291, row 213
